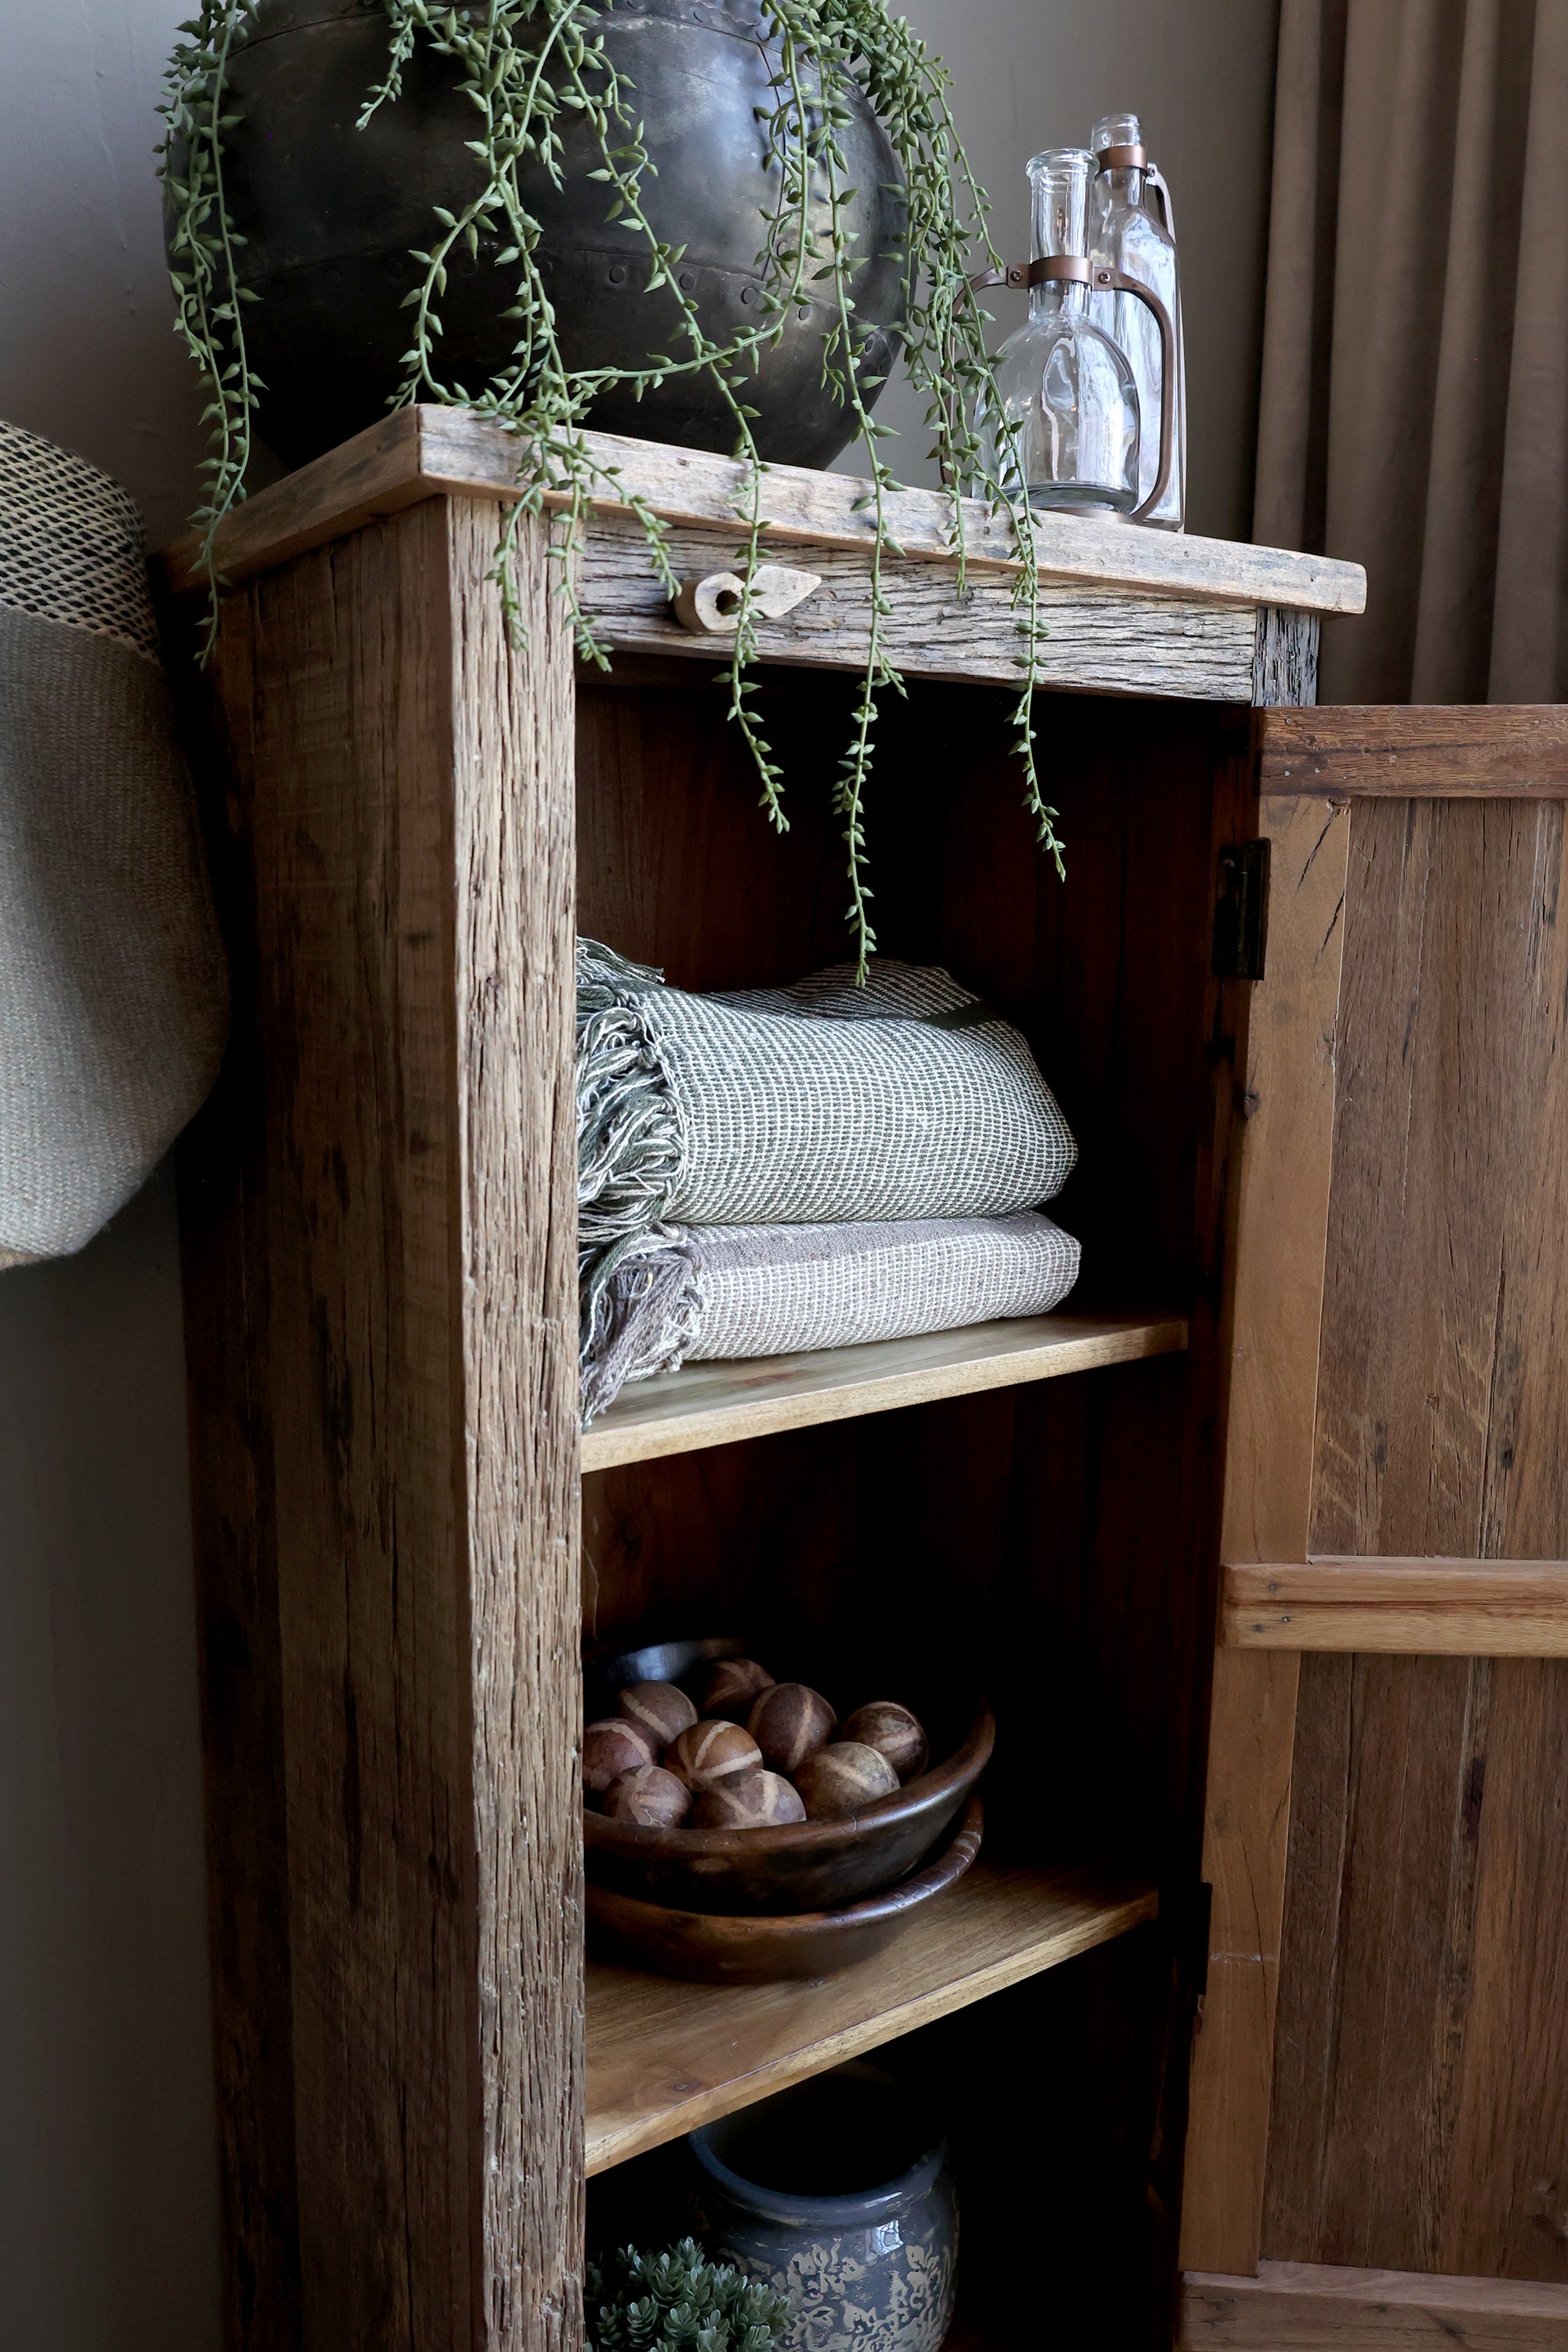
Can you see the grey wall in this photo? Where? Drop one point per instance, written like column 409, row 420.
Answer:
column 108, row 2193
column 107, row 2197
column 1038, row 73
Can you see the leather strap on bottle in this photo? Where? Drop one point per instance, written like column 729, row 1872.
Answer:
column 1045, row 270
column 1136, row 159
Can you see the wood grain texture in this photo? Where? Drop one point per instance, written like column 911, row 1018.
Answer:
column 515, row 855
column 424, row 451
column 716, row 1403
column 1283, row 1203
column 1309, row 2307
column 402, row 1328
column 1421, row 2091
column 1400, row 751
column 1276, row 1311
column 1431, row 1608
column 663, row 2057
column 1285, row 657
column 1443, row 1428
column 1097, row 639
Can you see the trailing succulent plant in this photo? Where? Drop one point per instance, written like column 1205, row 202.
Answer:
column 679, row 2302
column 532, row 69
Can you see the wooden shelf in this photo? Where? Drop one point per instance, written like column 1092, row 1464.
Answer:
column 663, row 2057
column 712, row 1405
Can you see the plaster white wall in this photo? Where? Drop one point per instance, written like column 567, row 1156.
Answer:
column 107, row 2194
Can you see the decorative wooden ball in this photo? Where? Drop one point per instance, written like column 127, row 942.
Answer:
column 726, row 1686
column 844, row 1779
column 710, row 1752
column 611, row 1748
column 658, row 1709
column 749, row 1801
column 653, row 1798
column 893, row 1732
column 789, row 1722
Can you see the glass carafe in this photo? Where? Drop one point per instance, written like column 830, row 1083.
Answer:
column 1127, row 235
column 1064, row 422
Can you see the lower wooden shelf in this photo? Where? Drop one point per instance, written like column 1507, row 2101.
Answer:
column 663, row 2057
column 712, row 1405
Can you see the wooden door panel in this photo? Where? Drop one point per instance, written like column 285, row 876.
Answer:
column 1420, row 2114
column 1416, row 2122
column 1419, row 2117
column 1442, row 1415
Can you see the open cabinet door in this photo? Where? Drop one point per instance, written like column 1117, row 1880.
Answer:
column 1378, row 2146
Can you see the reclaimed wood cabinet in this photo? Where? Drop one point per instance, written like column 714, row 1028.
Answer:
column 402, row 1536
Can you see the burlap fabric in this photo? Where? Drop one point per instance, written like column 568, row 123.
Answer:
column 112, row 990
column 678, row 1297
column 816, row 1103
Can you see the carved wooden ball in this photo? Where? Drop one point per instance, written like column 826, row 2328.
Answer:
column 844, row 1779
column 710, row 1752
column 611, row 1748
column 657, row 1709
column 651, row 1797
column 893, row 1732
column 749, row 1801
column 789, row 1722
column 728, row 1686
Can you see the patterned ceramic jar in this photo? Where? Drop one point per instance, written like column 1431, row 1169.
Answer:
column 838, row 2193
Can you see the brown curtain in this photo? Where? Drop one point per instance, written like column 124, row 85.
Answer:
column 1415, row 403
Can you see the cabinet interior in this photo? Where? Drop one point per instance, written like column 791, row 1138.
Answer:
column 1051, row 1542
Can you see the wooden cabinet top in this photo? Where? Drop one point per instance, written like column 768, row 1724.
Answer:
column 1124, row 609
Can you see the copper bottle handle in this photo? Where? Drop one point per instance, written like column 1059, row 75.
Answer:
column 1116, row 281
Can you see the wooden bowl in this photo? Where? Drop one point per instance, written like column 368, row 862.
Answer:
column 713, row 1948
column 807, row 1866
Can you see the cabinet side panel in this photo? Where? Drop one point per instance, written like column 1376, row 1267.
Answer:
column 1421, row 2093
column 347, row 776
column 516, row 1009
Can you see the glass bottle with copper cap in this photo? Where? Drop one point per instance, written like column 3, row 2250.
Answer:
column 1127, row 235
column 1065, row 418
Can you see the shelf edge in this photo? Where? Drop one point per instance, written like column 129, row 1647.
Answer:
column 608, row 1446
column 606, row 2147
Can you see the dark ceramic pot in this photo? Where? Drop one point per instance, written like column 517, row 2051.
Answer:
column 330, row 214
column 838, row 2193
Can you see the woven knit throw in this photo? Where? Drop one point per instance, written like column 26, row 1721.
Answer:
column 816, row 1103
column 112, row 991
column 675, row 1297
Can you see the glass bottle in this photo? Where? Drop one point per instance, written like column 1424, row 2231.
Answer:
column 1065, row 417
column 1125, row 234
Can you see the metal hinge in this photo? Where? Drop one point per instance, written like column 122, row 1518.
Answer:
column 1241, row 911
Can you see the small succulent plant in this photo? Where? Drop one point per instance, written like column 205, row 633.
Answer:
column 679, row 2302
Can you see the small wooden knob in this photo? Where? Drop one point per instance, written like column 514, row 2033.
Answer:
column 712, row 606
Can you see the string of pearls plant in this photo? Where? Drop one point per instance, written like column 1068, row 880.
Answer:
column 529, row 67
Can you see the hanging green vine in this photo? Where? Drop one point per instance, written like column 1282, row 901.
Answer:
column 532, row 68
